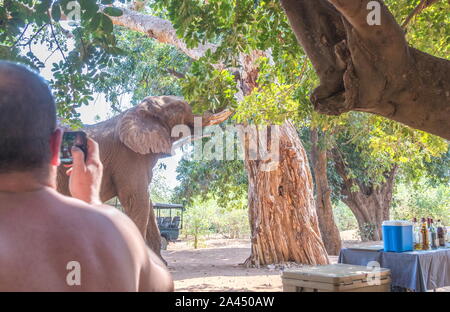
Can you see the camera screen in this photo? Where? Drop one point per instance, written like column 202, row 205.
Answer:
column 70, row 139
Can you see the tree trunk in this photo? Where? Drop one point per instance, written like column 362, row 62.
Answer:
column 330, row 233
column 196, row 238
column 370, row 204
column 369, row 211
column 283, row 220
column 370, row 68
column 282, row 214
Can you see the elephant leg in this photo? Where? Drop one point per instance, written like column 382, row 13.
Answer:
column 153, row 231
column 137, row 206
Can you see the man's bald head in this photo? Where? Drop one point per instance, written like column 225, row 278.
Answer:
column 27, row 119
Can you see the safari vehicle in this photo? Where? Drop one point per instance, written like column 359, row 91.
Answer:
column 168, row 216
column 170, row 222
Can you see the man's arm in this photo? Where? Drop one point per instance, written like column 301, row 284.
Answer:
column 154, row 275
column 86, row 176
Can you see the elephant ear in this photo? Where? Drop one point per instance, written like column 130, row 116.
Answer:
column 144, row 133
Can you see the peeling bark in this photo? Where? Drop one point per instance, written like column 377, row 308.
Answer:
column 370, row 68
column 283, row 220
column 282, row 213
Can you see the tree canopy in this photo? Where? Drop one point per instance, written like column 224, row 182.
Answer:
column 101, row 53
column 230, row 28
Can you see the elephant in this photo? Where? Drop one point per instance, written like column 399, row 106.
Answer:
column 130, row 145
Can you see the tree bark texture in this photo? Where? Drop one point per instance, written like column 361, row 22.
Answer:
column 330, row 233
column 370, row 68
column 283, row 220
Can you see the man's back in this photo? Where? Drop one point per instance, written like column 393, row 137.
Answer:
column 44, row 236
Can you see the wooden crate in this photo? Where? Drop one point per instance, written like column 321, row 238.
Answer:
column 334, row 278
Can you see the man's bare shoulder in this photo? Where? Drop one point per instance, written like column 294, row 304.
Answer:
column 103, row 218
column 112, row 233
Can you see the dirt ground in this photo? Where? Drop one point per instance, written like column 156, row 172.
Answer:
column 218, row 266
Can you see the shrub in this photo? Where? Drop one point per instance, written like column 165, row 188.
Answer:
column 198, row 219
column 421, row 200
column 233, row 223
column 344, row 218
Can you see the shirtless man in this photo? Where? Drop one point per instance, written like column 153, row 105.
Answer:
column 49, row 242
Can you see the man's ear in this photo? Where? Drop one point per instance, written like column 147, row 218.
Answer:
column 55, row 146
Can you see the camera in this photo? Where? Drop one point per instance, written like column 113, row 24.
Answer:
column 72, row 138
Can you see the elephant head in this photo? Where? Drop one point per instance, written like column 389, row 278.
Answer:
column 146, row 128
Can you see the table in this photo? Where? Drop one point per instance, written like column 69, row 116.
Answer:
column 419, row 270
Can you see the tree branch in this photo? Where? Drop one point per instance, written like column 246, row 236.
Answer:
column 56, row 39
column 417, row 10
column 173, row 72
column 209, row 119
column 159, row 29
column 21, row 35
column 32, row 37
column 319, row 28
column 370, row 68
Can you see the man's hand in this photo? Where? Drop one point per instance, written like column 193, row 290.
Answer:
column 86, row 176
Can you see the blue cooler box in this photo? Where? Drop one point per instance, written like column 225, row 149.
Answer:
column 397, row 236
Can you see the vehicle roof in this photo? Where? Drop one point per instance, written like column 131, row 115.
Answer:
column 167, row 206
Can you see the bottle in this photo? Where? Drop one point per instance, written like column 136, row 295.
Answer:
column 438, row 243
column 446, row 234
column 424, row 235
column 429, row 232
column 417, row 244
column 440, row 234
column 433, row 235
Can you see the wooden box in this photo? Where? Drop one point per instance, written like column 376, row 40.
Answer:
column 335, row 278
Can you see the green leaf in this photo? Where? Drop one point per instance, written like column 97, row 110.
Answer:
column 95, row 21
column 111, row 11
column 43, row 6
column 90, row 7
column 106, row 24
column 56, row 12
